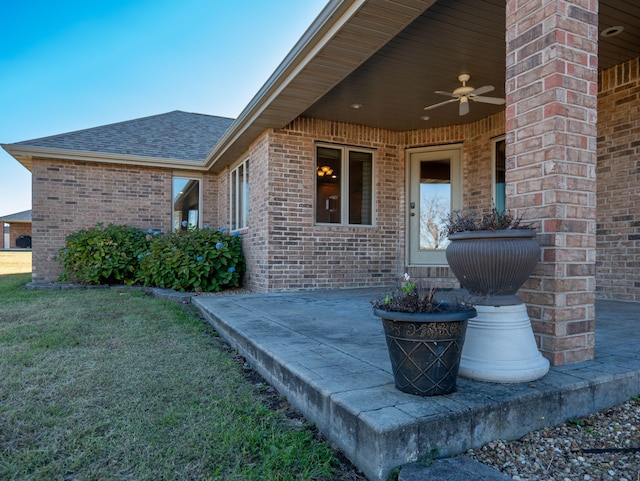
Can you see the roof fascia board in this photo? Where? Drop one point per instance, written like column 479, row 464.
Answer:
column 314, row 39
column 25, row 154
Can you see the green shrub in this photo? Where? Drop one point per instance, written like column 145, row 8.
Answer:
column 103, row 255
column 200, row 260
column 204, row 260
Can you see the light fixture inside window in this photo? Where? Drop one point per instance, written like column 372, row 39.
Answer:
column 325, row 170
column 612, row 31
column 356, row 106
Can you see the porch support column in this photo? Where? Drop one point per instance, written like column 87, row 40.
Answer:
column 551, row 113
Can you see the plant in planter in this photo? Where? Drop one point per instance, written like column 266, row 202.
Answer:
column 492, row 255
column 424, row 337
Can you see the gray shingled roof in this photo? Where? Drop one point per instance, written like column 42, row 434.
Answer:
column 24, row 216
column 174, row 135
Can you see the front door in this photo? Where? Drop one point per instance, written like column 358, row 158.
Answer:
column 435, row 189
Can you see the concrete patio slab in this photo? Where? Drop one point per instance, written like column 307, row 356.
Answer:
column 326, row 352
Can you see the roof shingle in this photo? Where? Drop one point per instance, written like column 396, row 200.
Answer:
column 24, row 216
column 173, row 135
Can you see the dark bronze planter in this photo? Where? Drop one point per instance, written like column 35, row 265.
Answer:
column 493, row 265
column 425, row 349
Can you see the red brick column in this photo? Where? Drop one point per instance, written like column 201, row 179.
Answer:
column 551, row 113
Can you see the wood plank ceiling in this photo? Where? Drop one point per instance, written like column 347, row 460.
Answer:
column 450, row 38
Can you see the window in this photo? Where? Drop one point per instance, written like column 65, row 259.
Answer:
column 239, row 196
column 186, row 203
column 344, row 186
column 499, row 158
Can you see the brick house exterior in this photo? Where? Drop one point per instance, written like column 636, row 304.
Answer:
column 572, row 144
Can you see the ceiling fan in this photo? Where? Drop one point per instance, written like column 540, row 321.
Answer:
column 464, row 93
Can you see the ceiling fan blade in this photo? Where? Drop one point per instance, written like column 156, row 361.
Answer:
column 440, row 104
column 464, row 106
column 442, row 92
column 482, row 90
column 489, row 100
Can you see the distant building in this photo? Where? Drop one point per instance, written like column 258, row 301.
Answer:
column 17, row 230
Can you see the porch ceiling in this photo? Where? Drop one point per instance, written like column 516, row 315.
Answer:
column 390, row 56
column 450, row 38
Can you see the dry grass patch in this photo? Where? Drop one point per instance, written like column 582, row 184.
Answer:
column 15, row 262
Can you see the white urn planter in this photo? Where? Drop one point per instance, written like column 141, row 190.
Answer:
column 500, row 347
column 492, row 265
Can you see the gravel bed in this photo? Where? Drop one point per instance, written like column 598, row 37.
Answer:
column 602, row 447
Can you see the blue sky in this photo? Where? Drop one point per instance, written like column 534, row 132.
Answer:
column 68, row 65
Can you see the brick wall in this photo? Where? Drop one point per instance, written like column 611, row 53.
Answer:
column 68, row 196
column 618, row 170
column 210, row 209
column 285, row 250
column 336, row 256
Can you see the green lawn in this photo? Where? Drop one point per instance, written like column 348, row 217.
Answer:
column 108, row 385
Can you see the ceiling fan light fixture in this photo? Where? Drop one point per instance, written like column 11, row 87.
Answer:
column 463, row 94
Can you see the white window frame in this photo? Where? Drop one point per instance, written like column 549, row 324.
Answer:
column 187, row 176
column 494, row 193
column 239, row 211
column 344, row 184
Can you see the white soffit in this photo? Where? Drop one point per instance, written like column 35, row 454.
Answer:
column 345, row 34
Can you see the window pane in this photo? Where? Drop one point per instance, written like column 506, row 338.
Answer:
column 245, row 195
column 240, row 197
column 186, row 203
column 500, row 167
column 232, row 199
column 435, row 202
column 360, row 187
column 328, row 178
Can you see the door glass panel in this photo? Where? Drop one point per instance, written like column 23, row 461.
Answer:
column 435, row 189
column 435, row 202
